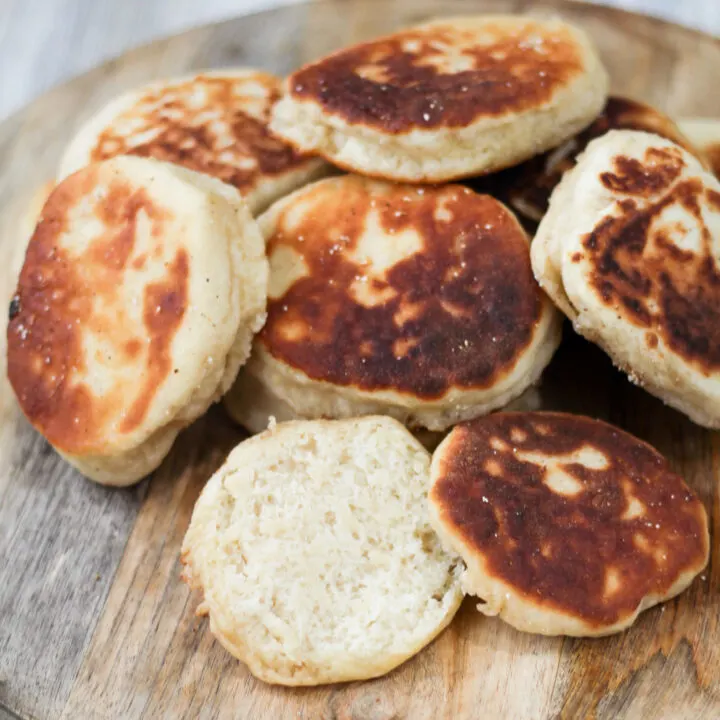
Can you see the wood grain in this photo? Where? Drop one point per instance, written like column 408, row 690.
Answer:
column 95, row 622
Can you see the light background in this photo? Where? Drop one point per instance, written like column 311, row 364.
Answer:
column 43, row 42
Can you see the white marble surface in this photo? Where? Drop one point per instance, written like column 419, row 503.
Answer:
column 43, row 42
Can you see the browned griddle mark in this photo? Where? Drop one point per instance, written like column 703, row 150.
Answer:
column 163, row 309
column 639, row 270
column 182, row 135
column 133, row 347
column 660, row 168
column 713, row 198
column 457, row 313
column 510, row 75
column 59, row 297
column 527, row 187
column 119, row 210
column 556, row 549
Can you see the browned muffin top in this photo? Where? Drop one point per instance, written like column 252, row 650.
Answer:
column 572, row 513
column 212, row 124
column 67, row 294
column 639, row 263
column 444, row 74
column 393, row 287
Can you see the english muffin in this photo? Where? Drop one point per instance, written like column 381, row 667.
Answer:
column 314, row 553
column 630, row 249
column 444, row 100
column 568, row 526
column 214, row 122
column 704, row 133
column 418, row 303
column 141, row 289
column 526, row 188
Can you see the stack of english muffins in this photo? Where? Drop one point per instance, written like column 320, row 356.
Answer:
column 367, row 261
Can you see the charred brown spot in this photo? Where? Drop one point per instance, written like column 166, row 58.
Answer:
column 638, row 269
column 664, row 242
column 392, row 83
column 139, row 262
column 660, row 168
column 651, row 339
column 713, row 198
column 14, row 307
column 133, row 347
column 60, row 298
column 458, row 312
column 44, row 345
column 636, row 306
column 119, row 210
column 182, row 134
column 163, row 309
column 554, row 525
column 527, row 187
column 576, row 257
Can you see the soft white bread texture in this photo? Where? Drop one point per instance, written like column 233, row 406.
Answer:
column 448, row 99
column 141, row 290
column 630, row 251
column 213, row 122
column 314, row 553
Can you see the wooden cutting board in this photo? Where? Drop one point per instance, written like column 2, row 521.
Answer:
column 94, row 621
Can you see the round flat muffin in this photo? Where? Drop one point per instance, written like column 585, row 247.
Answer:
column 136, row 305
column 568, row 525
column 418, row 303
column 632, row 244
column 314, row 553
column 214, row 122
column 527, row 187
column 449, row 99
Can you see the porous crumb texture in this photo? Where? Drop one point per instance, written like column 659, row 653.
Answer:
column 313, row 548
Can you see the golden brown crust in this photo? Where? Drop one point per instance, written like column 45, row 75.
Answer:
column 441, row 75
column 457, row 311
column 60, row 295
column 638, row 268
column 183, row 134
column 571, row 513
column 527, row 187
